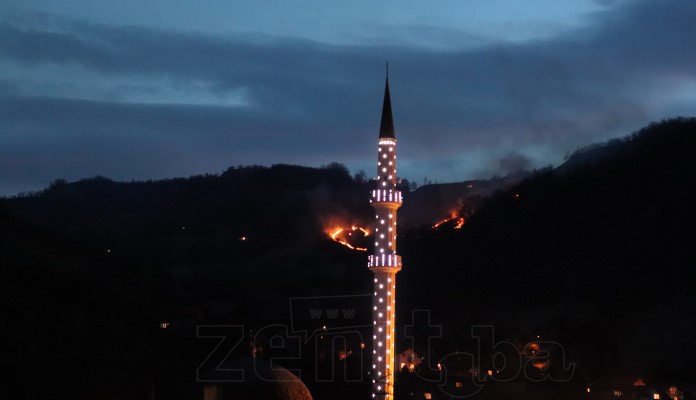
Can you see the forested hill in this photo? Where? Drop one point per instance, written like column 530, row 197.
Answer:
column 592, row 254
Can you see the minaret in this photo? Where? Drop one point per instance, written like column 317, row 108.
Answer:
column 384, row 263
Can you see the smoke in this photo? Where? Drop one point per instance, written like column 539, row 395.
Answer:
column 514, row 163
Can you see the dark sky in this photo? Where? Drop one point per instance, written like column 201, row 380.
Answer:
column 153, row 89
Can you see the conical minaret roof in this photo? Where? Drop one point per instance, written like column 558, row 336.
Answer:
column 386, row 128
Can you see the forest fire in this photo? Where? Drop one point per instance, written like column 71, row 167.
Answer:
column 347, row 238
column 454, row 219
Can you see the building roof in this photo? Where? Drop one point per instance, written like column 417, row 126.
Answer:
column 261, row 380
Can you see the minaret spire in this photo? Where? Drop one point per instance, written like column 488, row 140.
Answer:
column 386, row 128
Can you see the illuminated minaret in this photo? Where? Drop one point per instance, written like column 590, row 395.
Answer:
column 384, row 263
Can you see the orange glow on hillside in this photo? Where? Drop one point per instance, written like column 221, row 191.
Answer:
column 341, row 235
column 541, row 365
column 454, row 218
column 437, row 224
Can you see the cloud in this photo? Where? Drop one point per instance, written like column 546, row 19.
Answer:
column 205, row 101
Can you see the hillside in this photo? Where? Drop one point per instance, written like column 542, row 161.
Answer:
column 591, row 254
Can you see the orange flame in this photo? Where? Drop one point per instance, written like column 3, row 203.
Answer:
column 440, row 223
column 459, row 221
column 334, row 235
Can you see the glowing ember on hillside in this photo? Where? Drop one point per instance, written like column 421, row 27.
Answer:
column 456, row 221
column 346, row 236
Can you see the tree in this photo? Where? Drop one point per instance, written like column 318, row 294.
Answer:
column 360, row 177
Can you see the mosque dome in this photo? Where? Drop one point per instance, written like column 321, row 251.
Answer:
column 261, row 380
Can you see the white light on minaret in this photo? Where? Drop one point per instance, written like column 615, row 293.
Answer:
column 384, row 262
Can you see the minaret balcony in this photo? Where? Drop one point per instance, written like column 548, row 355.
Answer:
column 384, row 260
column 386, row 196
